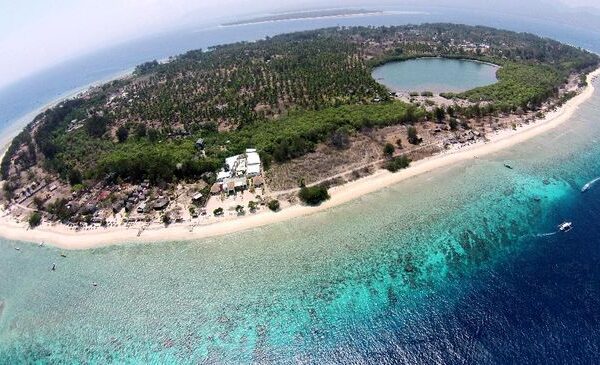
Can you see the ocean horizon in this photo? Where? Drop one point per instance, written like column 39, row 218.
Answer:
column 461, row 265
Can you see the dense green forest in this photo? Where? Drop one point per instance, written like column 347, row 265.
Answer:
column 282, row 95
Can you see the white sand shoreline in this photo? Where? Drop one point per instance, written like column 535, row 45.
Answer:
column 22, row 121
column 62, row 237
column 337, row 16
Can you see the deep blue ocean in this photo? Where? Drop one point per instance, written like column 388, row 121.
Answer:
column 463, row 265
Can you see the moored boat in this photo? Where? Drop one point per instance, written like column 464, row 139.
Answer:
column 565, row 226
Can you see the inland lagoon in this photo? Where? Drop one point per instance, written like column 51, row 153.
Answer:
column 437, row 75
column 463, row 264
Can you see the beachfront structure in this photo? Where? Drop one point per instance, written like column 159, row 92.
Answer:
column 238, row 169
column 246, row 165
column 215, row 189
column 258, row 181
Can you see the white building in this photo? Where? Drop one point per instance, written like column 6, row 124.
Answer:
column 245, row 165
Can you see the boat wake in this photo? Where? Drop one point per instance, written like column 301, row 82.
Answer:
column 546, row 234
column 589, row 185
column 539, row 235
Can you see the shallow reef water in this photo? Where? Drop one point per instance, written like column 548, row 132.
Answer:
column 459, row 265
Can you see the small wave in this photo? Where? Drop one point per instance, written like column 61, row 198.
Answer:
column 589, row 184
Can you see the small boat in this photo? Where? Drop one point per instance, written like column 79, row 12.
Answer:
column 589, row 185
column 508, row 166
column 565, row 226
column 63, row 255
column 94, row 284
column 53, row 266
column 18, row 248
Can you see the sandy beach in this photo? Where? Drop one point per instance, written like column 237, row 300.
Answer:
column 339, row 16
column 61, row 236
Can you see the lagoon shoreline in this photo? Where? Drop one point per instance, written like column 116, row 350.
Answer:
column 61, row 236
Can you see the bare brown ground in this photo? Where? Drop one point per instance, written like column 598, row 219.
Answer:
column 324, row 162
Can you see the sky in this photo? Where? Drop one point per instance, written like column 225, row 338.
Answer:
column 36, row 34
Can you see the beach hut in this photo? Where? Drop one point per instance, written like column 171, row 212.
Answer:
column 161, row 204
column 258, row 181
column 215, row 189
column 230, row 187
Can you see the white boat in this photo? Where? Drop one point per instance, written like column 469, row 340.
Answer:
column 589, row 185
column 565, row 226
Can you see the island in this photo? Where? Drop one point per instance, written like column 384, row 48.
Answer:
column 245, row 132
column 313, row 14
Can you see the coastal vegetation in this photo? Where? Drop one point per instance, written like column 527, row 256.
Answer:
column 285, row 96
column 35, row 219
column 313, row 195
column 389, row 149
column 397, row 163
column 274, row 205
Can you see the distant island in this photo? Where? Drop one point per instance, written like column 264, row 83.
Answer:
column 250, row 127
column 329, row 13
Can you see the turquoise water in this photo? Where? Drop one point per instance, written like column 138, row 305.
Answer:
column 457, row 266
column 413, row 273
column 435, row 74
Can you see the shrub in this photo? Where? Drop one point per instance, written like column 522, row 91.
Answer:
column 397, row 163
column 274, row 205
column 38, row 202
column 453, row 123
column 413, row 137
column 389, row 149
column 122, row 134
column 218, row 212
column 252, row 205
column 313, row 195
column 440, row 114
column 240, row 210
column 75, row 177
column 35, row 219
column 427, row 93
column 140, row 130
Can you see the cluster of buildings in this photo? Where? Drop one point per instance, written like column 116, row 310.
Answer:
column 239, row 173
column 473, row 47
column 28, row 191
